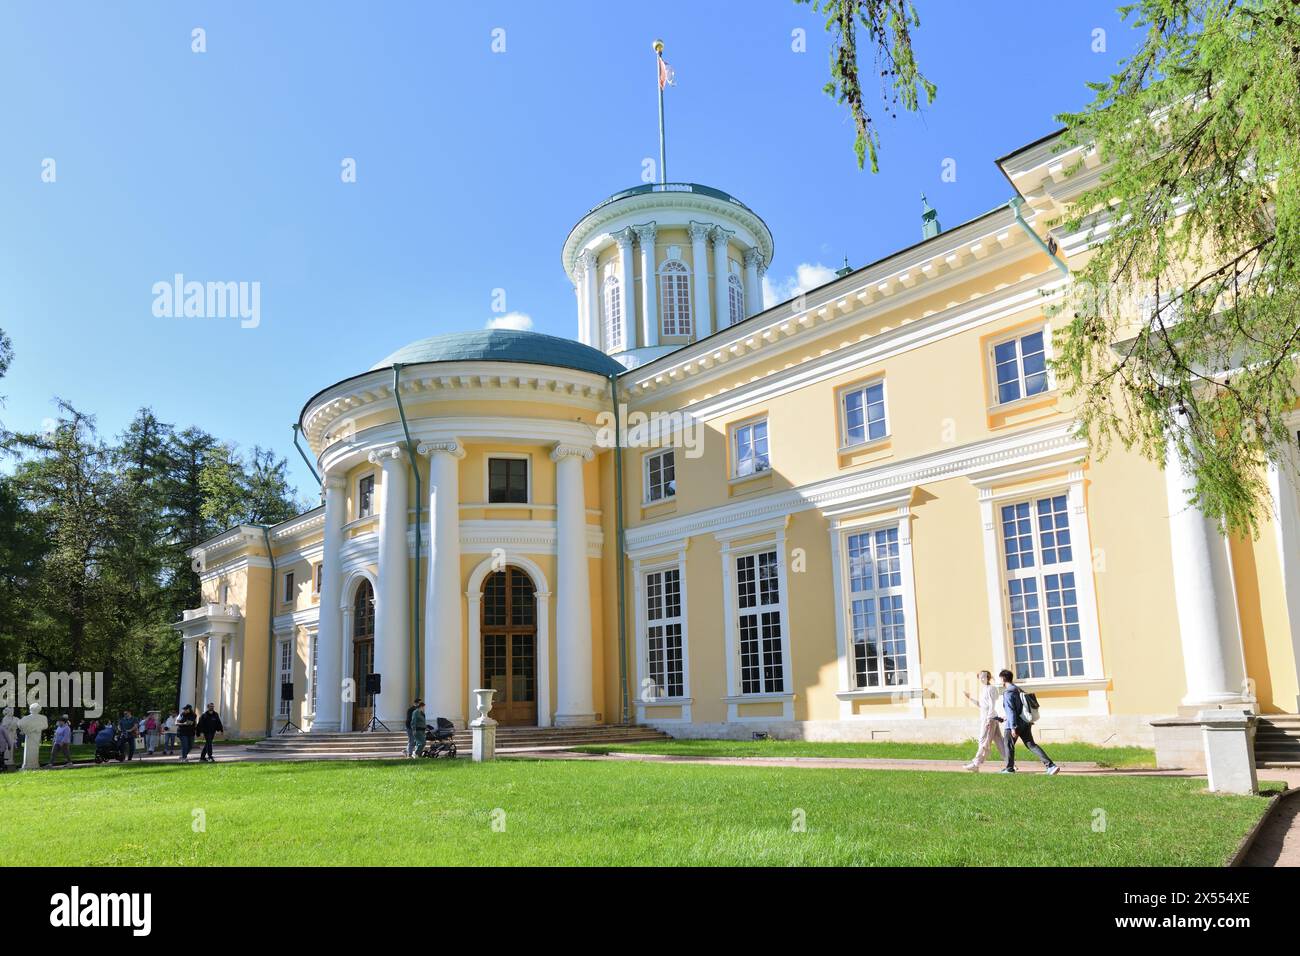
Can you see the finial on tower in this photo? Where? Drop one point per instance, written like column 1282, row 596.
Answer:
column 929, row 220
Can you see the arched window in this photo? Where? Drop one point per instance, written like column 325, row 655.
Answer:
column 735, row 299
column 613, row 303
column 675, row 297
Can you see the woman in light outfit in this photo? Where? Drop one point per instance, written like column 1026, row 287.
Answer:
column 990, row 723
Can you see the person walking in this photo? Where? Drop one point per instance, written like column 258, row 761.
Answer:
column 419, row 724
column 186, row 726
column 209, row 725
column 169, row 733
column 1018, row 727
column 62, row 742
column 127, row 728
column 7, row 743
column 412, row 742
column 151, row 732
column 990, row 724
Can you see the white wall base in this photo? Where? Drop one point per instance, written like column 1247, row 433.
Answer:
column 1229, row 738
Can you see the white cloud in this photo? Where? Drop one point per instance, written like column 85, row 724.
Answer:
column 511, row 320
column 807, row 277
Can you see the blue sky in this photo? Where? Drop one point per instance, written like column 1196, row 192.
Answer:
column 471, row 167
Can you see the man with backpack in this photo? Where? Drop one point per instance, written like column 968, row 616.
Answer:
column 413, row 744
column 1021, row 710
column 209, row 725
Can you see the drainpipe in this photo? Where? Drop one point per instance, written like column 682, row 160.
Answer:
column 619, row 536
column 419, row 498
column 310, row 467
column 1014, row 205
column 270, row 636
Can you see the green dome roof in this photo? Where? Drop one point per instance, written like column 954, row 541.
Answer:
column 504, row 345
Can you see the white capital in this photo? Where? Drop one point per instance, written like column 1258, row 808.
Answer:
column 577, row 451
column 448, row 446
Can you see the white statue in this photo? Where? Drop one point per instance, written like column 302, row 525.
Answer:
column 32, row 726
column 10, row 724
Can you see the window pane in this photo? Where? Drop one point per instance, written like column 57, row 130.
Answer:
column 1034, row 361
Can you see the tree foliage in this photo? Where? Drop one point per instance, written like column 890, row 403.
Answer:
column 1182, row 337
column 93, row 541
column 889, row 25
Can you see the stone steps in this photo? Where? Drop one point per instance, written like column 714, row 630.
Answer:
column 1277, row 741
column 509, row 739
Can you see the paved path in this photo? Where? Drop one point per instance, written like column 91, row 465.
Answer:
column 1278, row 843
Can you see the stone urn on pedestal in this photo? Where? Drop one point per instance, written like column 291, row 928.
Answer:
column 483, row 727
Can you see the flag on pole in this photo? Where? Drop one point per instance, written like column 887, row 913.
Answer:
column 667, row 75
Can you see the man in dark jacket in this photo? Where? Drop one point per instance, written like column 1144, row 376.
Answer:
column 126, row 727
column 185, row 727
column 209, row 726
column 1017, row 728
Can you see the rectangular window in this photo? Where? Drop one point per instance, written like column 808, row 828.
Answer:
column 366, row 497
column 664, row 632
column 1038, row 565
column 863, row 410
column 288, row 587
column 508, row 480
column 660, row 476
column 286, row 675
column 318, row 577
column 877, row 620
column 1020, row 367
column 749, row 449
column 758, row 594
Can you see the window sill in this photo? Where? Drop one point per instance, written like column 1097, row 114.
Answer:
column 908, row 692
column 1064, row 683
column 670, row 500
column 665, row 701
column 759, row 698
column 742, row 479
column 871, row 445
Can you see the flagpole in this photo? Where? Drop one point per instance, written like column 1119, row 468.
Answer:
column 663, row 160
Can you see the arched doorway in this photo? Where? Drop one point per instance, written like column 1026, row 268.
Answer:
column 363, row 654
column 509, row 636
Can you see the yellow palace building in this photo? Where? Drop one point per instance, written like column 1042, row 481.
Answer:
column 834, row 511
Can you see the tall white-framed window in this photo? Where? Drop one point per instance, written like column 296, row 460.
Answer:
column 1020, row 366
column 286, row 674
column 612, row 305
column 862, row 413
column 660, row 476
column 288, row 587
column 877, row 615
column 675, row 298
column 366, row 495
column 735, row 299
column 311, row 691
column 761, row 617
column 664, row 644
column 749, row 452
column 1040, row 587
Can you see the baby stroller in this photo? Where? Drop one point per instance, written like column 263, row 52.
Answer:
column 114, row 749
column 440, row 740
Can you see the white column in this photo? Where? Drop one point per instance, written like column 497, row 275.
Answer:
column 392, row 602
column 590, row 287
column 753, row 287
column 626, row 288
column 645, row 235
column 189, row 650
column 700, row 262
column 212, row 680
column 346, row 701
column 573, row 704
column 1205, row 597
column 580, row 292
column 444, row 693
column 721, row 274
column 329, row 698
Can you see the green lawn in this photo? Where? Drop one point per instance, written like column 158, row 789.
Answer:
column 1127, row 757
column 575, row 812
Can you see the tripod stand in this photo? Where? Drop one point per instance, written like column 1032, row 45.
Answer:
column 375, row 724
column 285, row 729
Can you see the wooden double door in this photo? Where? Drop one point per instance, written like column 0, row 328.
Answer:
column 509, row 646
column 363, row 655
